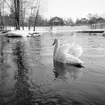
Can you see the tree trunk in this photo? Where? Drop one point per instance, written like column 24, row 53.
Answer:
column 35, row 22
column 37, row 5
column 29, row 25
column 17, row 10
column 1, row 21
column 22, row 24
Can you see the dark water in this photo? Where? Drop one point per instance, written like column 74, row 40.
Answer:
column 27, row 72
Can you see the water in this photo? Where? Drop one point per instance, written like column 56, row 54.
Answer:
column 27, row 72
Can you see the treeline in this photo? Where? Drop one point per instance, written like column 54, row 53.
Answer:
column 91, row 19
column 9, row 20
column 22, row 13
column 40, row 21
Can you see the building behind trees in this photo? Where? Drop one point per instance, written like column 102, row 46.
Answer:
column 56, row 21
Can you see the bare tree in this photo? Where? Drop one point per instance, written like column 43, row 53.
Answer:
column 22, row 13
column 37, row 11
column 20, row 10
column 1, row 14
column 34, row 12
column 17, row 13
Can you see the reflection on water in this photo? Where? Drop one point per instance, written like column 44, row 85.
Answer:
column 23, row 95
column 3, row 42
column 4, row 66
column 35, row 49
column 65, row 71
column 27, row 72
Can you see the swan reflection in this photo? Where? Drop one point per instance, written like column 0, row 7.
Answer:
column 66, row 71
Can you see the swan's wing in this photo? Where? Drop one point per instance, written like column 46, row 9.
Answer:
column 61, row 52
column 72, row 49
column 74, row 61
column 64, row 47
column 75, row 50
column 68, row 52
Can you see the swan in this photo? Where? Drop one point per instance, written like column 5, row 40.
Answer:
column 67, row 54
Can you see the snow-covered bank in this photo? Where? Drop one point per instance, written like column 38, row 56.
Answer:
column 55, row 29
column 22, row 33
column 37, row 29
column 26, row 31
column 41, row 30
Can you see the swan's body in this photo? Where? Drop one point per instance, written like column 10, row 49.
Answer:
column 67, row 53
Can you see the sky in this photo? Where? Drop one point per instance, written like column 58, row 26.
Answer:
column 74, row 8
column 70, row 8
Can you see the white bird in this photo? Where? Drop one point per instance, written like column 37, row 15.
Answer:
column 68, row 54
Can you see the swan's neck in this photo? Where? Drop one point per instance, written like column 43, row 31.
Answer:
column 55, row 49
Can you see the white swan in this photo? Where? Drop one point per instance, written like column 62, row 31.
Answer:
column 67, row 53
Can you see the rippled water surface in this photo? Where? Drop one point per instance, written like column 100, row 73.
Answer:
column 27, row 71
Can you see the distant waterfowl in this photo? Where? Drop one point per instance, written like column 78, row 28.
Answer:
column 67, row 54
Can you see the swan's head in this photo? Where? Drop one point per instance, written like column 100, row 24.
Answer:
column 55, row 41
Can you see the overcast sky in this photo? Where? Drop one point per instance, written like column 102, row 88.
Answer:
column 71, row 8
column 74, row 8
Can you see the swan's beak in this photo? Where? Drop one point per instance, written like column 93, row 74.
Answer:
column 82, row 66
column 53, row 43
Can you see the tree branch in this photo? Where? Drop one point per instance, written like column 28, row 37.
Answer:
column 9, row 6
